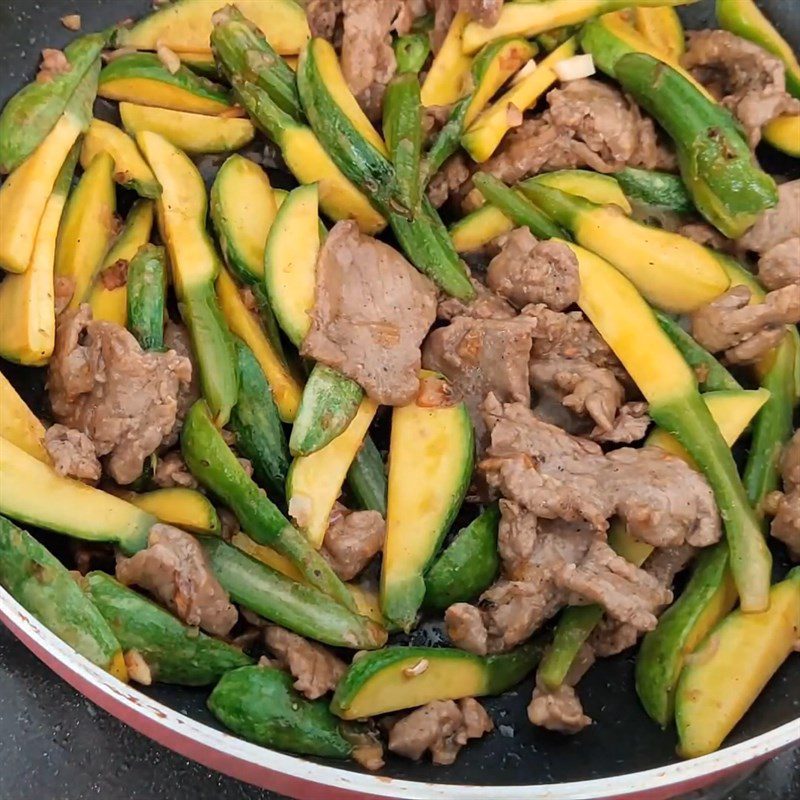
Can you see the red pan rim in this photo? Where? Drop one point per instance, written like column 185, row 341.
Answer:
column 303, row 779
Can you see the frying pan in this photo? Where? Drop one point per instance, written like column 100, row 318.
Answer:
column 624, row 754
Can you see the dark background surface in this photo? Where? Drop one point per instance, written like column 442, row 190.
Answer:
column 56, row 744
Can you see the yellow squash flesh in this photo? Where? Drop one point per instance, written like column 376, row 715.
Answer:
column 731, row 667
column 192, row 133
column 184, row 508
column 488, row 129
column 449, row 76
column 244, row 323
column 477, row 229
column 24, row 195
column 783, row 133
column 151, row 92
column 18, row 424
column 108, row 304
column 315, row 481
column 661, row 26
column 87, row 227
column 130, row 169
column 671, row 271
column 598, row 188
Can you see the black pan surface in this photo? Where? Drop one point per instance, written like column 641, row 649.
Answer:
column 623, row 739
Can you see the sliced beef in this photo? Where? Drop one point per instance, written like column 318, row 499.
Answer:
column 443, row 727
column 453, row 177
column 73, row 453
column 555, row 475
column 443, row 13
column 367, row 57
column 479, row 356
column 485, row 305
column 486, row 12
column 775, row 225
column 561, row 710
column 705, row 234
column 748, row 80
column 528, row 271
column 371, row 312
column 323, row 16
column 629, row 425
column 352, row 540
column 175, row 569
column 103, row 384
column 171, row 471
column 176, row 337
column 744, row 331
column 779, row 267
column 63, row 289
column 316, row 671
column 786, row 522
column 587, row 124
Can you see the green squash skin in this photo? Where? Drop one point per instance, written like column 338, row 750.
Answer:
column 147, row 296
column 575, row 625
column 257, row 424
column 148, row 66
column 242, row 51
column 501, row 671
column 366, row 478
column 293, row 605
column 716, row 377
column 661, row 190
column 260, row 705
column 212, row 344
column 664, row 650
column 216, row 467
column 174, row 652
column 688, row 419
column 42, row 585
column 32, row 112
column 358, row 160
column 518, row 208
column 328, row 405
column 467, row 566
column 719, row 171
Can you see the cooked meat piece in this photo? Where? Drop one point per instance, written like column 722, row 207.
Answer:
column 352, row 540
column 443, row 13
column 434, row 119
column 171, row 470
column 786, row 522
column 581, row 387
column 465, row 623
column 479, row 356
column 367, row 57
column 323, row 16
column 371, row 312
column 73, row 453
column 627, row 592
column 661, row 498
column 124, row 399
column 487, row 12
column 543, row 468
column 64, row 288
column 115, row 276
column 454, row 174
column 780, row 265
column 746, row 78
column 174, row 569
column 561, row 710
column 54, row 63
column 408, row 13
column 555, row 475
column 486, row 305
column 775, row 225
column 611, row 636
column 316, row 671
column 746, row 332
column 705, row 234
column 588, row 124
column 666, row 562
column 176, row 337
column 529, row 271
column 369, row 754
column 443, row 727
column 630, row 425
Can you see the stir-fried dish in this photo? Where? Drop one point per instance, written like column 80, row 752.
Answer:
column 284, row 428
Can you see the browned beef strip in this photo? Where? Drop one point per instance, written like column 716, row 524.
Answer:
column 486, row 12
column 443, row 13
column 780, row 265
column 786, row 522
column 556, row 475
column 176, row 337
column 528, row 271
column 486, row 305
column 775, row 225
column 705, row 234
column 448, row 182
column 171, row 470
column 316, row 670
column 368, row 60
column 322, row 17
column 103, row 384
column 443, row 727
column 73, row 453
column 747, row 79
column 371, row 312
column 174, row 569
column 630, row 425
column 352, row 540
column 743, row 331
column 479, row 356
